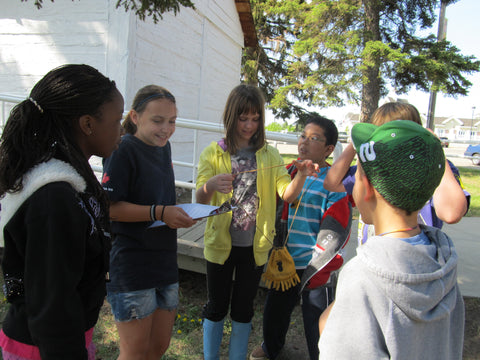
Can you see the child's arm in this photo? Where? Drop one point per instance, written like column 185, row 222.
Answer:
column 173, row 216
column 449, row 199
column 221, row 183
column 324, row 317
column 333, row 180
column 305, row 168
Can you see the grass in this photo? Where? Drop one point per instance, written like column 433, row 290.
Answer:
column 471, row 181
column 105, row 335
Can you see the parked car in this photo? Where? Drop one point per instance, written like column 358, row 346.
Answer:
column 445, row 142
column 343, row 136
column 473, row 150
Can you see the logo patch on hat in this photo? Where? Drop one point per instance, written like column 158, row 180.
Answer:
column 367, row 152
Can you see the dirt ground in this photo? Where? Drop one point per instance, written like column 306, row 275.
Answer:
column 471, row 344
column 193, row 288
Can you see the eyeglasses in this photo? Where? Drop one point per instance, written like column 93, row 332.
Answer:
column 313, row 138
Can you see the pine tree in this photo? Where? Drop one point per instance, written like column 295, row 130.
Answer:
column 329, row 52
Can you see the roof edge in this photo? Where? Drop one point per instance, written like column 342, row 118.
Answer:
column 246, row 20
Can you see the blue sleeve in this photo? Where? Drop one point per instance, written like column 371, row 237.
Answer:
column 349, row 179
column 456, row 173
column 427, row 214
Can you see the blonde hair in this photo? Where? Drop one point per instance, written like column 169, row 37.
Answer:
column 244, row 99
column 142, row 98
column 395, row 111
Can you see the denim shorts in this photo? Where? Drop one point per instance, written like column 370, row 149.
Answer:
column 139, row 304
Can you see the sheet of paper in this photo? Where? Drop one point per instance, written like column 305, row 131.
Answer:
column 196, row 211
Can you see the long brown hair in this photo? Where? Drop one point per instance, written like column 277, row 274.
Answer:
column 244, row 99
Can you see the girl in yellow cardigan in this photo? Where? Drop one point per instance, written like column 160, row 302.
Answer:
column 242, row 169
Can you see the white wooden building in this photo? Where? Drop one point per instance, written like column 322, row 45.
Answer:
column 195, row 54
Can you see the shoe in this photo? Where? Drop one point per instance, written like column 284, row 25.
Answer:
column 258, row 354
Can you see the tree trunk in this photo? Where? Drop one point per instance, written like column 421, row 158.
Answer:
column 371, row 79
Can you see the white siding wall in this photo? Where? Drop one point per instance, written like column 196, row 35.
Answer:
column 35, row 41
column 195, row 54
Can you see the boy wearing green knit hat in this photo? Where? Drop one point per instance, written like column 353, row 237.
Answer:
column 399, row 297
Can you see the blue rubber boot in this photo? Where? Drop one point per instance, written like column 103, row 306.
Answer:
column 239, row 340
column 212, row 338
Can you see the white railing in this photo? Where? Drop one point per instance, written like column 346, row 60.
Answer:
column 7, row 102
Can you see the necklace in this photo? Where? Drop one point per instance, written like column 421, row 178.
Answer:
column 399, row 230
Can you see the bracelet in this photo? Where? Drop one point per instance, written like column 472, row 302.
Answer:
column 152, row 213
column 161, row 216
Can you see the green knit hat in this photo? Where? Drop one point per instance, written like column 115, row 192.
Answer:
column 403, row 161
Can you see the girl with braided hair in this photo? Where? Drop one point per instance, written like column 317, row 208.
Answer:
column 54, row 214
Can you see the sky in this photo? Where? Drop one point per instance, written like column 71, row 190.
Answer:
column 463, row 31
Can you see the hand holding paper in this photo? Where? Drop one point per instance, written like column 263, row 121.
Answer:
column 175, row 218
column 200, row 211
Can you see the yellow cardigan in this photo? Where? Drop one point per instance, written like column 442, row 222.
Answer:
column 217, row 239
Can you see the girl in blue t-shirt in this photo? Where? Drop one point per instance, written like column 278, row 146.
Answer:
column 140, row 184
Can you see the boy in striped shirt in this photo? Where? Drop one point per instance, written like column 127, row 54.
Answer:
column 316, row 143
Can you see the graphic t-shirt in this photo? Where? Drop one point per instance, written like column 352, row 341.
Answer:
column 245, row 199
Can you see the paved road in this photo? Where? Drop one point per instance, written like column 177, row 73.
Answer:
column 466, row 237
column 455, row 152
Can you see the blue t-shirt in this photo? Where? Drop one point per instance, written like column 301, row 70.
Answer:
column 419, row 239
column 141, row 258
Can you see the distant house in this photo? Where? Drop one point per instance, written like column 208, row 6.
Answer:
column 451, row 127
column 195, row 54
column 457, row 128
column 350, row 120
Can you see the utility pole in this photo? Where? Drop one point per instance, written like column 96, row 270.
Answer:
column 441, row 35
column 471, row 124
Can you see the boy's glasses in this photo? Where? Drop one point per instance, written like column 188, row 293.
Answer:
column 313, row 138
